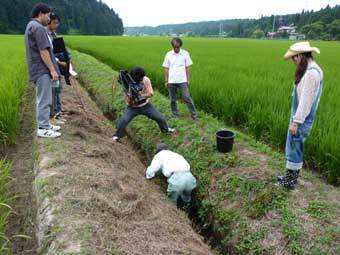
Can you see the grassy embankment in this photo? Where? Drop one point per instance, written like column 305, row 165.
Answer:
column 237, row 204
column 243, row 82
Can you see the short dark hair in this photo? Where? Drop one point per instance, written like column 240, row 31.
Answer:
column 53, row 16
column 177, row 40
column 40, row 8
column 162, row 146
column 137, row 74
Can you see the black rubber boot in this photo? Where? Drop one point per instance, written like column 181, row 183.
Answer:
column 293, row 173
column 289, row 180
column 184, row 206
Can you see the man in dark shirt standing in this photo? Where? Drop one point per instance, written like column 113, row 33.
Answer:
column 42, row 67
column 56, row 92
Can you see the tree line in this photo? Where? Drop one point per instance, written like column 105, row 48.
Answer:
column 88, row 17
column 323, row 24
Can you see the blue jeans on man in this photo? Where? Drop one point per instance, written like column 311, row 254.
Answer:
column 56, row 101
column 186, row 96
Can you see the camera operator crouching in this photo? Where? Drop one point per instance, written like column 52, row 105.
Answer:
column 140, row 107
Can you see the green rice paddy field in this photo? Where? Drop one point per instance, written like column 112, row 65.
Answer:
column 13, row 80
column 244, row 82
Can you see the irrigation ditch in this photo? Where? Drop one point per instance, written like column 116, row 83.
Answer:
column 204, row 228
column 90, row 196
column 216, row 232
column 237, row 208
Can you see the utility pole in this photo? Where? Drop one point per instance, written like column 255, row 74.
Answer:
column 221, row 30
column 273, row 24
column 305, row 8
column 281, row 21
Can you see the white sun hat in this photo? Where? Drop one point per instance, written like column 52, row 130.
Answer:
column 300, row 47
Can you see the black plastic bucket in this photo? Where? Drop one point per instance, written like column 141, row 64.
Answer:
column 224, row 140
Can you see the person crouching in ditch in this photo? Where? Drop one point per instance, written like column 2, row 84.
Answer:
column 306, row 95
column 180, row 180
column 146, row 108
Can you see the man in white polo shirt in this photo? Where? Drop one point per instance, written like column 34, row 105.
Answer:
column 177, row 64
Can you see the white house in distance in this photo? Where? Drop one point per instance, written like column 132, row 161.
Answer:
column 289, row 30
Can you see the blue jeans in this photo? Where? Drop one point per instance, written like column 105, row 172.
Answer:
column 294, row 146
column 56, row 100
column 186, row 96
column 147, row 110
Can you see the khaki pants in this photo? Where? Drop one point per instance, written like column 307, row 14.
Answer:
column 181, row 184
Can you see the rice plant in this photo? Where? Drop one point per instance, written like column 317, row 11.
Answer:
column 5, row 209
column 244, row 82
column 13, row 79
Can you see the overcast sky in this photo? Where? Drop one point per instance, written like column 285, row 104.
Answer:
column 158, row 12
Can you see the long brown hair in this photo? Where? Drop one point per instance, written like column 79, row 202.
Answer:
column 302, row 67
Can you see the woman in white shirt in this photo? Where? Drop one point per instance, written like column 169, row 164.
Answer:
column 306, row 96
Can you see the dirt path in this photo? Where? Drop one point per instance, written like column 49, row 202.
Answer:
column 22, row 221
column 93, row 197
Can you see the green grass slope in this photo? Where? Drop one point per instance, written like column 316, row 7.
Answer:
column 238, row 207
column 243, row 82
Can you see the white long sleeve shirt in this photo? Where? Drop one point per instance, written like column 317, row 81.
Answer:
column 170, row 162
column 307, row 91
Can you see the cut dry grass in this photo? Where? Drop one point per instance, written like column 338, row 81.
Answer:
column 96, row 197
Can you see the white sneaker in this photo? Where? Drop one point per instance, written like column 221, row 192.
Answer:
column 115, row 138
column 54, row 128
column 72, row 72
column 47, row 133
column 171, row 130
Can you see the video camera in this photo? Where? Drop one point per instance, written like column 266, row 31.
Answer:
column 60, row 52
column 131, row 88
